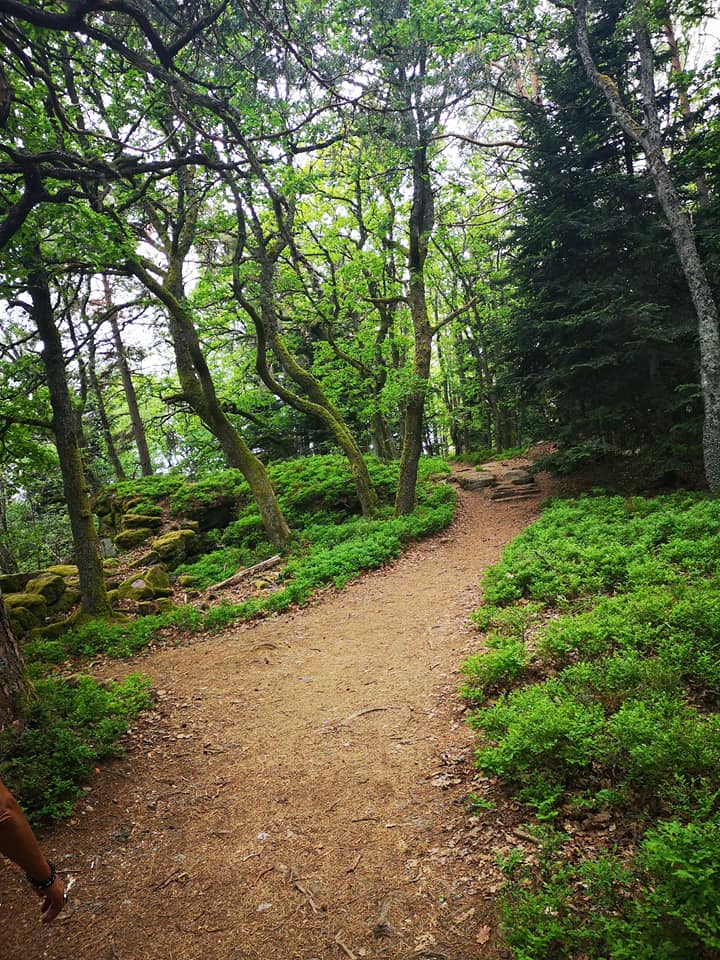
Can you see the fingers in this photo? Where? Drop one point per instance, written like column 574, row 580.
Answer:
column 53, row 902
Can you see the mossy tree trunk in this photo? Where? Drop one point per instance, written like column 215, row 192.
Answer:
column 315, row 403
column 15, row 689
column 198, row 390
column 84, row 534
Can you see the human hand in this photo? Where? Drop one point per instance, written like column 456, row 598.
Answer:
column 53, row 900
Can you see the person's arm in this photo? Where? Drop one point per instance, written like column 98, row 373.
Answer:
column 18, row 843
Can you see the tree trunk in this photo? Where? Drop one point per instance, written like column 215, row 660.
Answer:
column 136, row 421
column 199, row 391
column 85, row 538
column 102, row 410
column 15, row 688
column 422, row 220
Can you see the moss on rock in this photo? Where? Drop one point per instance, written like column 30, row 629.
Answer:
column 34, row 602
column 138, row 521
column 14, row 582
column 127, row 539
column 68, row 571
column 175, row 546
column 48, row 585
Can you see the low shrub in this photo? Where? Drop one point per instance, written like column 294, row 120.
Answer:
column 71, row 725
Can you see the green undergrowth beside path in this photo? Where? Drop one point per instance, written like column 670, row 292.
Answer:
column 74, row 723
column 71, row 725
column 597, row 705
column 333, row 544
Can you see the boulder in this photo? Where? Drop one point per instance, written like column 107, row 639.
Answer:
column 136, row 521
column 127, row 539
column 175, row 546
column 148, row 585
column 34, row 602
column 48, row 585
column 68, row 571
column 23, row 620
column 476, row 481
column 14, row 582
column 66, row 601
column 518, row 477
column 108, row 550
column 157, row 578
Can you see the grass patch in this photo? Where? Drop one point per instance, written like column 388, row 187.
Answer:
column 70, row 727
column 600, row 691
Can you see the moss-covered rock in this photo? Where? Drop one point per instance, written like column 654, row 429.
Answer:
column 147, row 559
column 136, row 521
column 34, row 602
column 48, row 585
column 22, row 620
column 157, row 577
column 165, row 604
column 14, row 582
column 135, row 588
column 66, row 602
column 186, row 580
column 148, row 585
column 68, row 571
column 113, row 597
column 111, row 563
column 175, row 546
column 127, row 539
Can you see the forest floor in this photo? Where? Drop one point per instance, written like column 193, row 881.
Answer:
column 299, row 791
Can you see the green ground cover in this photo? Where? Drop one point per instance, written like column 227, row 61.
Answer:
column 599, row 696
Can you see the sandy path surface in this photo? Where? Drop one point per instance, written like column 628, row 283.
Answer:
column 298, row 794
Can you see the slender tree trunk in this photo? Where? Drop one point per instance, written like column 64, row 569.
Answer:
column 102, row 410
column 136, row 421
column 422, row 220
column 649, row 136
column 85, row 538
column 15, row 688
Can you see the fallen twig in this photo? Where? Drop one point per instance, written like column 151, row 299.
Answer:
column 248, row 572
column 354, row 867
column 344, row 947
column 176, row 876
column 524, row 835
column 361, row 713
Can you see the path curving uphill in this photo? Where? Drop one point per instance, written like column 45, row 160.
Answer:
column 299, row 793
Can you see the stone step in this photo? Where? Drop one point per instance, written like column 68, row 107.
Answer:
column 515, row 493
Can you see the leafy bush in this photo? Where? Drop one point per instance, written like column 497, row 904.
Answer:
column 70, row 727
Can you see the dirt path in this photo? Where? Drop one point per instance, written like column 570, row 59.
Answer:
column 299, row 794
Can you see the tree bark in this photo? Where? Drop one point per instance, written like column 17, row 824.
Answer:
column 649, row 137
column 102, row 410
column 422, row 221
column 136, row 421
column 85, row 538
column 15, row 688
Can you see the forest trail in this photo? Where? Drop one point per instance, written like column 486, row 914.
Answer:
column 298, row 794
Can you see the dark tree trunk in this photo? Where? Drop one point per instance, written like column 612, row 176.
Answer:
column 422, row 220
column 85, row 538
column 102, row 410
column 15, row 688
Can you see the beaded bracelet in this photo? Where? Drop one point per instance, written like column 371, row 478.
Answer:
column 43, row 884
